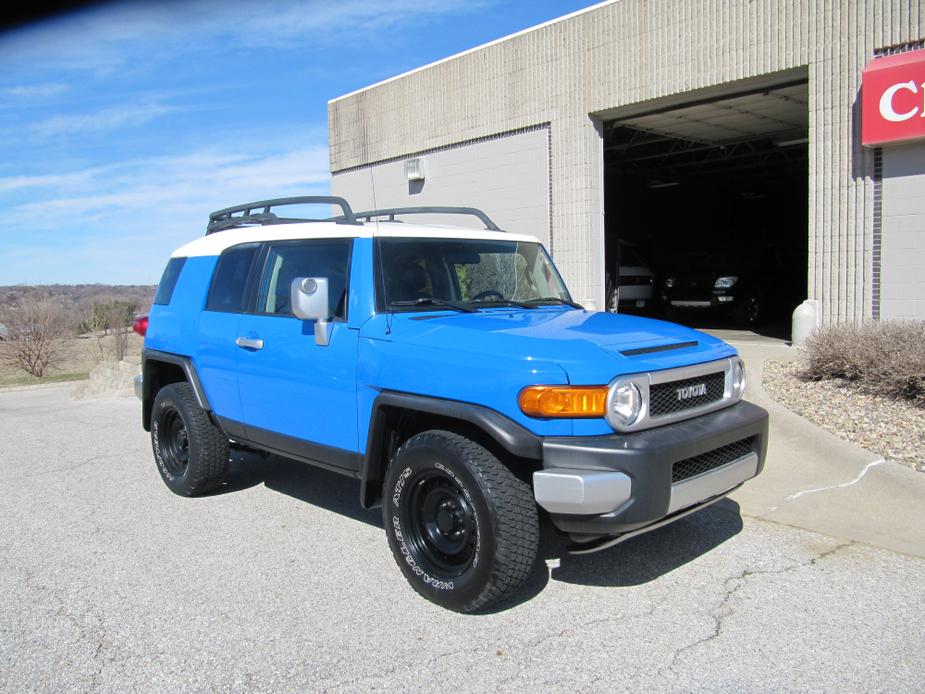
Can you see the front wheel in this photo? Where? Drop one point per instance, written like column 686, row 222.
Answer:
column 461, row 526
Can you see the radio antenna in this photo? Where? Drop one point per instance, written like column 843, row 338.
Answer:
column 377, row 249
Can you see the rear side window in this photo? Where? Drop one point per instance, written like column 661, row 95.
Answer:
column 230, row 279
column 168, row 281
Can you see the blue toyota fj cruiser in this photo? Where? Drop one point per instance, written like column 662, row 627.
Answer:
column 450, row 372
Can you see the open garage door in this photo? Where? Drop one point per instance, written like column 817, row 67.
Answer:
column 706, row 209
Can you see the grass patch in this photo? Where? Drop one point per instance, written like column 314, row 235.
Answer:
column 885, row 358
column 24, row 379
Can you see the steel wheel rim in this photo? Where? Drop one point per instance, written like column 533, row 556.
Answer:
column 441, row 528
column 175, row 444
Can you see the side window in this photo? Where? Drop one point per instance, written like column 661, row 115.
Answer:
column 168, row 281
column 317, row 258
column 230, row 279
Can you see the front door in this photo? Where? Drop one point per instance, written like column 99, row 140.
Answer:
column 299, row 397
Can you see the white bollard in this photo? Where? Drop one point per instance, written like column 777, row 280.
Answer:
column 805, row 321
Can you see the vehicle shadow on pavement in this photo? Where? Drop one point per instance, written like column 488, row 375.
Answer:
column 322, row 488
column 634, row 562
column 637, row 561
column 646, row 557
column 313, row 485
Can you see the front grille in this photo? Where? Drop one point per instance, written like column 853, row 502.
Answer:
column 699, row 464
column 664, row 398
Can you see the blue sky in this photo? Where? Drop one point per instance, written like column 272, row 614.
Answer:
column 122, row 126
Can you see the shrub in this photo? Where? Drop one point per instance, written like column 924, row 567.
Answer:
column 885, row 358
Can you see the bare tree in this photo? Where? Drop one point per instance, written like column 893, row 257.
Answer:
column 113, row 317
column 120, row 341
column 96, row 323
column 36, row 338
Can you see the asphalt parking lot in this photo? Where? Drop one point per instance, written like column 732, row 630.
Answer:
column 110, row 583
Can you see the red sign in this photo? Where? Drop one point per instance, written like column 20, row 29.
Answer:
column 893, row 99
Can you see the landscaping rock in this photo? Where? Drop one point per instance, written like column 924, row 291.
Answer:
column 893, row 428
column 109, row 378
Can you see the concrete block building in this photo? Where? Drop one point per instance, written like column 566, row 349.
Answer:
column 698, row 131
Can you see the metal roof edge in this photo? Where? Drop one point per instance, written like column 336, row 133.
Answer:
column 474, row 49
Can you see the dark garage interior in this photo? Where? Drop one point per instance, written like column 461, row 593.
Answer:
column 706, row 209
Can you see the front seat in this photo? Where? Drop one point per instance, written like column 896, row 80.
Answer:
column 409, row 282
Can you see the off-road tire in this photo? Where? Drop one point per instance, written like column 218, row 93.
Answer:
column 486, row 503
column 180, row 430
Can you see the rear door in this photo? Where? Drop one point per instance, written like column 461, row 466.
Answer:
column 299, row 397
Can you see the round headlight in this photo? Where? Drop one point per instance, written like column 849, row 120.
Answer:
column 669, row 282
column 738, row 379
column 625, row 404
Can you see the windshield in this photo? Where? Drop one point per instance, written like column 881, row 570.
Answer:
column 426, row 273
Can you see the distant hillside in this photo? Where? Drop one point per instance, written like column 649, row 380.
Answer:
column 78, row 298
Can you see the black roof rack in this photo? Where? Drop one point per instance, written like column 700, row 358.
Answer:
column 390, row 212
column 259, row 213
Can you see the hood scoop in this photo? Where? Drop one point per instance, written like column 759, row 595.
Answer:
column 658, row 348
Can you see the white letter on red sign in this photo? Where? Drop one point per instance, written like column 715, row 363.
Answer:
column 886, row 103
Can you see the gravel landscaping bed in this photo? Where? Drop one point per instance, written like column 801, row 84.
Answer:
column 892, row 428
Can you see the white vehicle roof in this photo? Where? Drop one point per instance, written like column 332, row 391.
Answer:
column 215, row 243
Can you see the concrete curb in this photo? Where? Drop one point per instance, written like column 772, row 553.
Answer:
column 42, row 386
column 817, row 481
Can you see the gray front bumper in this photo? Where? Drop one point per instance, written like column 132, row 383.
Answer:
column 610, row 485
column 139, row 383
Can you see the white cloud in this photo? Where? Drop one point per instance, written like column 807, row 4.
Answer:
column 31, row 92
column 118, row 223
column 102, row 120
column 12, row 184
column 107, row 38
column 186, row 184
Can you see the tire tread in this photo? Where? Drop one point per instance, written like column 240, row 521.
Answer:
column 211, row 465
column 517, row 524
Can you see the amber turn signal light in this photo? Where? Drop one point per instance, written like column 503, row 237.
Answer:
column 563, row 401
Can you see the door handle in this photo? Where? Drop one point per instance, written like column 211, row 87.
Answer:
column 249, row 343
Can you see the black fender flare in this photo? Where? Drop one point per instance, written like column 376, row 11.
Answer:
column 507, row 433
column 149, row 359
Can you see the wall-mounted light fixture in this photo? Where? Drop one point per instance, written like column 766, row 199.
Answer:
column 414, row 169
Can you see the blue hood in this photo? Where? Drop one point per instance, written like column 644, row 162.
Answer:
column 591, row 347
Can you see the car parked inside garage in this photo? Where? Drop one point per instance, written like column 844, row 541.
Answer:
column 750, row 286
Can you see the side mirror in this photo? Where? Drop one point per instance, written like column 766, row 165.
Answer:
column 308, row 299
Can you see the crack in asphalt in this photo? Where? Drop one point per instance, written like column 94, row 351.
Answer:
column 69, row 468
column 500, row 686
column 723, row 611
column 93, row 635
column 352, row 685
column 525, row 646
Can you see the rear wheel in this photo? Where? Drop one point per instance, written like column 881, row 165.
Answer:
column 461, row 526
column 191, row 453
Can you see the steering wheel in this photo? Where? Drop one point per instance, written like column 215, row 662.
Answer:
column 481, row 296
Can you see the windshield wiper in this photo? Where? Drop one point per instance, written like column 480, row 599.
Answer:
column 553, row 300
column 504, row 302
column 434, row 301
